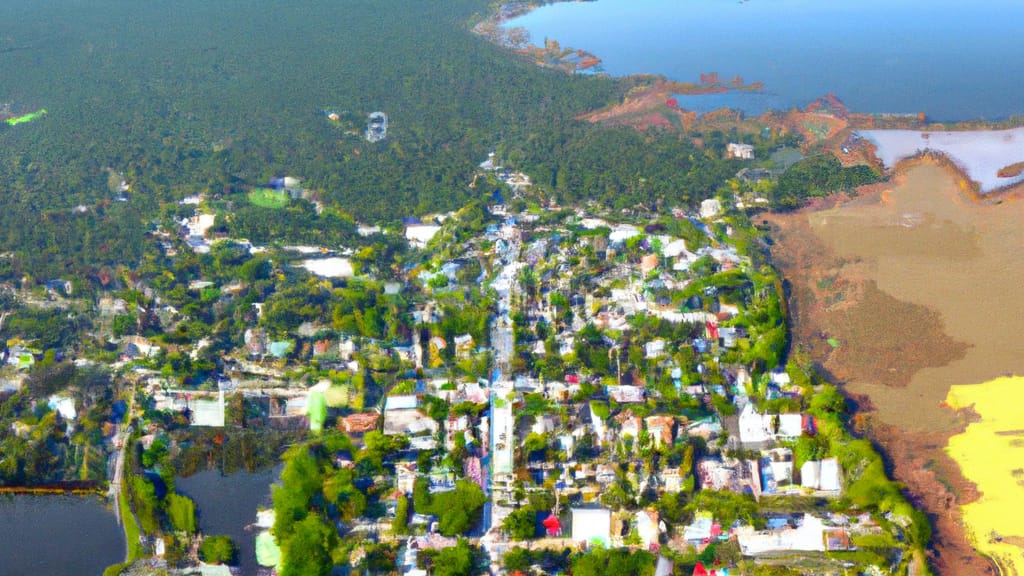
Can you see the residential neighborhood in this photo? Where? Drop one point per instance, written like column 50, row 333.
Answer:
column 576, row 383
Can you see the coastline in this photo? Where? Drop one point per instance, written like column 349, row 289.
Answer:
column 490, row 26
column 916, row 448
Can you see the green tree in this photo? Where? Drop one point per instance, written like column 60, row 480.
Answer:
column 182, row 512
column 517, row 559
column 217, row 550
column 308, row 551
column 454, row 561
column 400, row 524
column 124, row 324
column 521, row 523
column 457, row 509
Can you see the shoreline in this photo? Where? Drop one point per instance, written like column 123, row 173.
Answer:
column 517, row 40
column 918, row 452
column 57, row 489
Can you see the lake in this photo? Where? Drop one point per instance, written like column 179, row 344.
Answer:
column 948, row 59
column 58, row 536
column 227, row 504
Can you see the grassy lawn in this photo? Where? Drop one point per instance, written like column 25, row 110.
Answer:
column 131, row 527
column 268, row 198
column 337, row 396
column 131, row 535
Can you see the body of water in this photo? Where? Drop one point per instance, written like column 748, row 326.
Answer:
column 951, row 60
column 227, row 504
column 58, row 536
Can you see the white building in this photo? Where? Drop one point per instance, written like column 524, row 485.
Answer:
column 741, row 151
column 63, row 405
column 757, row 428
column 823, row 475
column 419, row 235
column 329, row 267
column 592, row 525
column 648, row 527
column 809, row 537
column 710, row 208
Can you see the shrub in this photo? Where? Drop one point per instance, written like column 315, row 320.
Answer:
column 217, row 550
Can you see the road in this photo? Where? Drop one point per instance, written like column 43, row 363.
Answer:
column 121, row 442
column 502, row 440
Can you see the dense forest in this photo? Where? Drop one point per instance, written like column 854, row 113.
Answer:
column 219, row 97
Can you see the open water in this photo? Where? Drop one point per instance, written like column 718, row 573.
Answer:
column 58, row 536
column 949, row 59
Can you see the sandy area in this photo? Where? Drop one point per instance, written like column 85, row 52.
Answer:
column 920, row 286
column 926, row 244
column 991, row 454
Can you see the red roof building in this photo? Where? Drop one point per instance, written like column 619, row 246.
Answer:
column 552, row 525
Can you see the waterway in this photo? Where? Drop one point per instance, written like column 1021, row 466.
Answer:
column 950, row 59
column 58, row 536
column 228, row 504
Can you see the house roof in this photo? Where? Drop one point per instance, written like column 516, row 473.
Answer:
column 592, row 525
column 699, row 530
column 552, row 524
column 404, row 402
column 363, row 422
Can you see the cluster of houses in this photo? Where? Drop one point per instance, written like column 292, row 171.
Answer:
column 586, row 437
column 591, row 443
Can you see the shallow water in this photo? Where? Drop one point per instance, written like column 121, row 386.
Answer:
column 950, row 60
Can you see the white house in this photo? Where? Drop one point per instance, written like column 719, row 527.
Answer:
column 808, row 537
column 757, row 428
column 823, row 475
column 710, row 208
column 648, row 527
column 419, row 234
column 654, row 348
column 752, row 428
column 63, row 405
column 592, row 525
column 741, row 151
column 623, row 232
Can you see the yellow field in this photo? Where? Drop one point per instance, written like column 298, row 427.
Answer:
column 991, row 454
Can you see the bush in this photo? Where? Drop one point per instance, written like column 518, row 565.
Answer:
column 116, row 569
column 400, row 524
column 217, row 550
column 182, row 512
column 521, row 524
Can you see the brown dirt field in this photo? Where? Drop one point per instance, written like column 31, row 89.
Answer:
column 920, row 284
column 645, row 106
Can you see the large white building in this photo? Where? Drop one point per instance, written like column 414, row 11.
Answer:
column 823, row 475
column 808, row 537
column 592, row 525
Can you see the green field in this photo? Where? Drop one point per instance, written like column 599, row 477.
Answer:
column 268, row 198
